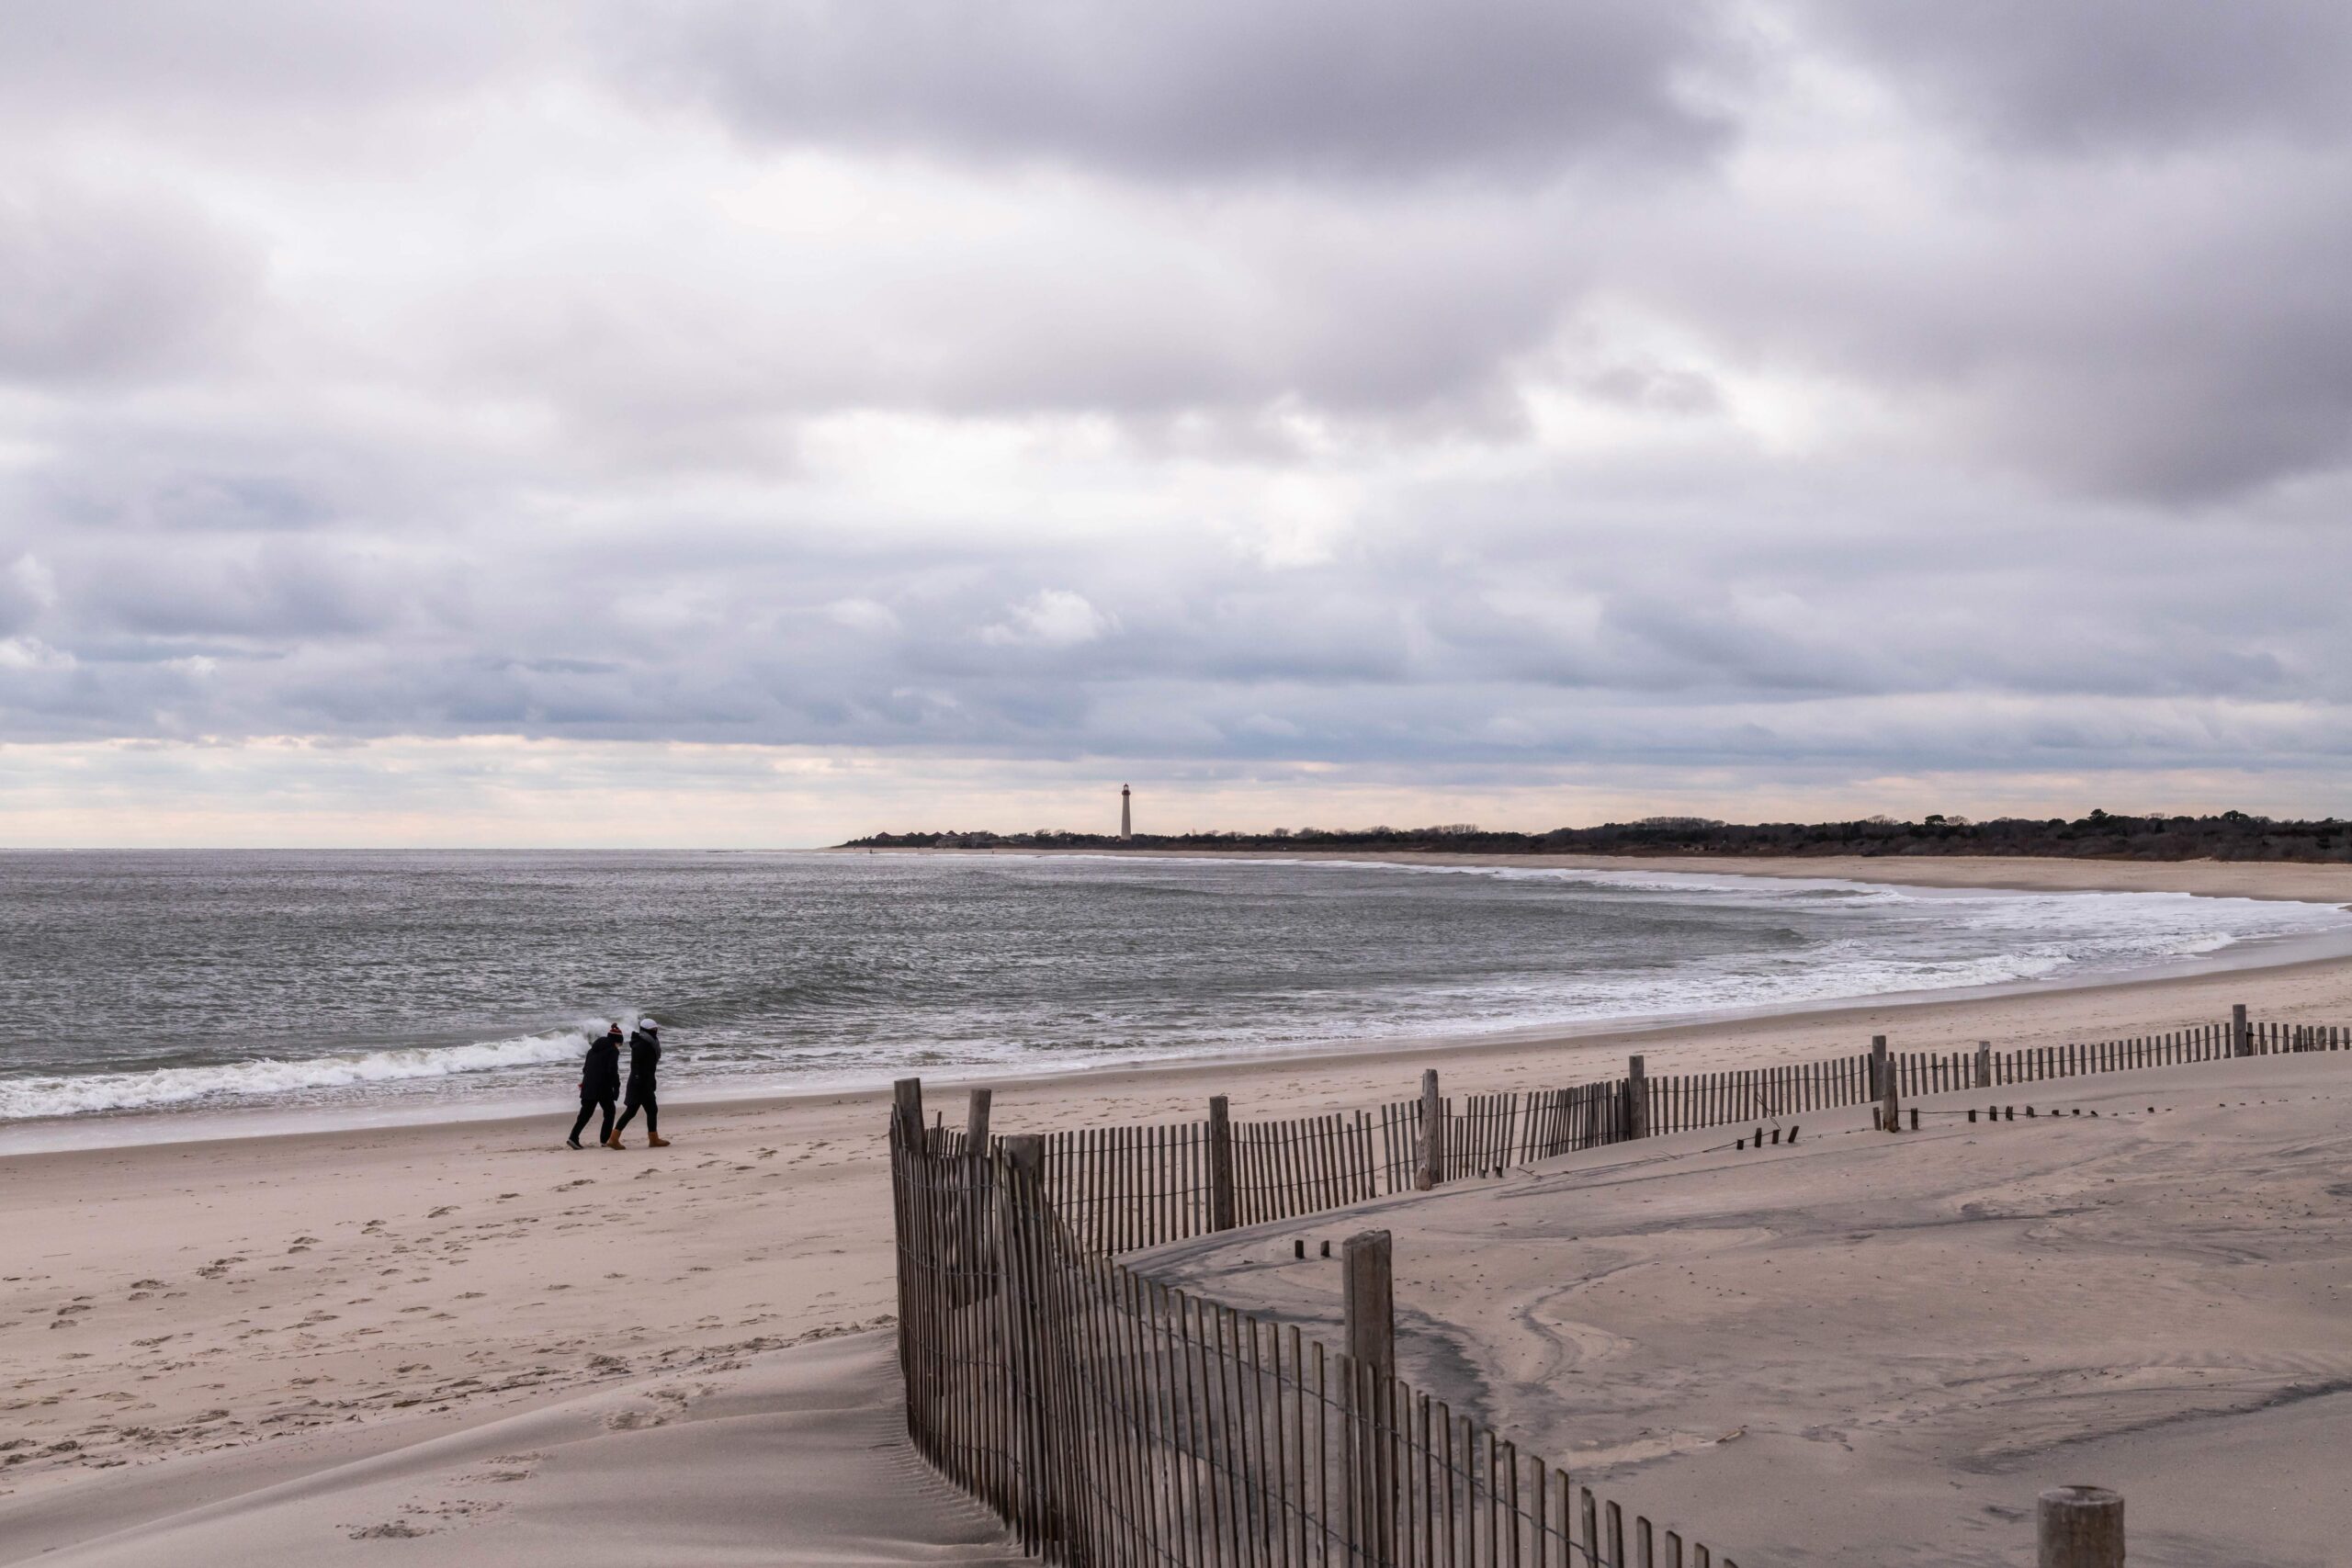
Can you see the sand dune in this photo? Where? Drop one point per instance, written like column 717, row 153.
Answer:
column 791, row 1455
column 1873, row 1350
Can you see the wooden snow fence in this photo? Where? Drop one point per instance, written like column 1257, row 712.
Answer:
column 1123, row 1188
column 1109, row 1419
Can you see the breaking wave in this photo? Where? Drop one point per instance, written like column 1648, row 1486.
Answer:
column 268, row 1078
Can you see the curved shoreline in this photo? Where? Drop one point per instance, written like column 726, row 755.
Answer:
column 2210, row 879
column 290, row 1293
column 2299, row 882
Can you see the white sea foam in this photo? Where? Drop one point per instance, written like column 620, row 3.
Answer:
column 163, row 1088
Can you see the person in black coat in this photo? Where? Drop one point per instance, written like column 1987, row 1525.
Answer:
column 644, row 1061
column 600, row 1083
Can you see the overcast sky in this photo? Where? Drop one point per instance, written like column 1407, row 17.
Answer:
column 761, row 420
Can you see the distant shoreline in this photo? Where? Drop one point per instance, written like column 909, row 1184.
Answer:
column 2298, row 882
column 2230, row 836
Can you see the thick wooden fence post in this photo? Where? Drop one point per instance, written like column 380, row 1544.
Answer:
column 975, row 1122
column 1222, row 1207
column 1030, row 1349
column 2241, row 1037
column 1890, row 1103
column 1367, row 1276
column 2081, row 1526
column 1638, row 1099
column 1433, row 1170
column 1983, row 1064
column 1367, row 1273
column 905, row 1104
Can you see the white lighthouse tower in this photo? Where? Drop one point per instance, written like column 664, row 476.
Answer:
column 1126, row 817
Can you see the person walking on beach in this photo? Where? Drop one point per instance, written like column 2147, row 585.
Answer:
column 600, row 1083
column 644, row 1060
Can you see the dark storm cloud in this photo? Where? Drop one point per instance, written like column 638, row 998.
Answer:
column 1216, row 88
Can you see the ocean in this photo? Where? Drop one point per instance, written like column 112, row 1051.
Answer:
column 351, row 985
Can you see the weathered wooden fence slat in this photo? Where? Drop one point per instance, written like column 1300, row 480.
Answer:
column 1119, row 1189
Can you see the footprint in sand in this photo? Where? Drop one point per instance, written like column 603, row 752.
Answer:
column 637, row 1418
column 507, row 1468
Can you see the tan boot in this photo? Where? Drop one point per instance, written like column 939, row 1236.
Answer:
column 615, row 1142
column 653, row 1143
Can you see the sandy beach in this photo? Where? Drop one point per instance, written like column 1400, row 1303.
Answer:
column 454, row 1337
column 1865, row 1349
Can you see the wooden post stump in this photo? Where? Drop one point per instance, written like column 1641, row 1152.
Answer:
column 1028, row 1359
column 1638, row 1099
column 1433, row 1166
column 976, row 1120
column 1367, row 1267
column 2241, row 1036
column 905, row 1104
column 1889, row 1107
column 1983, row 1064
column 1368, row 1280
column 2081, row 1526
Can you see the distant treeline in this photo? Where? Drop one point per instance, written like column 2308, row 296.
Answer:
column 2232, row 835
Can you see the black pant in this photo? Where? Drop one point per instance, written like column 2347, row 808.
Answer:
column 652, row 1108
column 588, row 1106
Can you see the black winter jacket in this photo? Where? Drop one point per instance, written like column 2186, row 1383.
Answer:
column 602, row 1078
column 644, row 1057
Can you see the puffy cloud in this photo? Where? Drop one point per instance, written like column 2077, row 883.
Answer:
column 1052, row 617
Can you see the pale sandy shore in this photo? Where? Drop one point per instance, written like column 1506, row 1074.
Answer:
column 2220, row 879
column 194, row 1328
column 1866, row 1349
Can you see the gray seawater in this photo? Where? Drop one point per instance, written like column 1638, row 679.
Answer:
column 377, row 982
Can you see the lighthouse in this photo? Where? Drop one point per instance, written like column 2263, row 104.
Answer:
column 1126, row 817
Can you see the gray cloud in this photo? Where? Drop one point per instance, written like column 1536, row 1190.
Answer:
column 1319, row 88
column 1394, row 388
column 2169, row 332
column 2143, row 75
column 105, row 285
column 167, row 57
